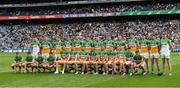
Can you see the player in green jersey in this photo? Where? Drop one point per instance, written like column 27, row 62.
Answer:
column 109, row 43
column 45, row 47
column 144, row 50
column 138, row 62
column 35, row 47
column 93, row 61
column 50, row 62
column 154, row 53
column 120, row 61
column 29, row 62
column 72, row 59
column 165, row 52
column 40, row 61
column 97, row 45
column 78, row 44
column 62, row 61
column 112, row 55
column 83, row 59
column 128, row 64
column 57, row 46
column 103, row 59
column 68, row 44
column 87, row 44
column 133, row 44
column 120, row 43
column 18, row 62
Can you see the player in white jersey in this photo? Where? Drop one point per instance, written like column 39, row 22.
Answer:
column 165, row 52
column 35, row 47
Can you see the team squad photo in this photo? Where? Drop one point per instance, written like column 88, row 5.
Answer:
column 96, row 56
column 89, row 43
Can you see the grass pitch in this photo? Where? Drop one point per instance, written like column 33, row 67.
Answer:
column 10, row 79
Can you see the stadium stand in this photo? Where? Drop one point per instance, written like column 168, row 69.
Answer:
column 19, row 35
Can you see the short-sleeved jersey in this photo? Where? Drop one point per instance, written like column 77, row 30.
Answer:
column 165, row 41
column 67, row 43
column 121, row 53
column 120, row 43
column 45, row 44
column 51, row 59
column 133, row 41
column 104, row 53
column 18, row 58
column 154, row 42
column 83, row 54
column 87, row 43
column 144, row 46
column 39, row 59
column 144, row 42
column 97, row 44
column 108, row 43
column 137, row 58
column 58, row 44
column 35, row 44
column 73, row 53
column 29, row 58
column 93, row 54
column 64, row 52
column 129, row 55
column 77, row 43
column 112, row 54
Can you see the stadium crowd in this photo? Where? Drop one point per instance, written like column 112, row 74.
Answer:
column 19, row 36
column 89, row 9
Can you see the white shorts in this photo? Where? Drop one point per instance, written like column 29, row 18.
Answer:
column 128, row 62
column 165, row 54
column 155, row 56
column 35, row 52
column 45, row 56
column 145, row 56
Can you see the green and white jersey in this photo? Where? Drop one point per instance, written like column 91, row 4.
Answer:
column 87, row 43
column 120, row 43
column 45, row 44
column 165, row 45
column 144, row 42
column 165, row 41
column 73, row 53
column 67, row 43
column 77, row 43
column 121, row 53
column 154, row 42
column 58, row 44
column 133, row 41
column 104, row 53
column 35, row 44
column 97, row 44
column 83, row 54
column 64, row 52
column 108, row 43
column 112, row 54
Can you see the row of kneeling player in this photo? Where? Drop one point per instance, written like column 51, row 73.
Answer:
column 123, row 62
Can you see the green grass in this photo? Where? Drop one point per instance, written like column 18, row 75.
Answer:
column 10, row 79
